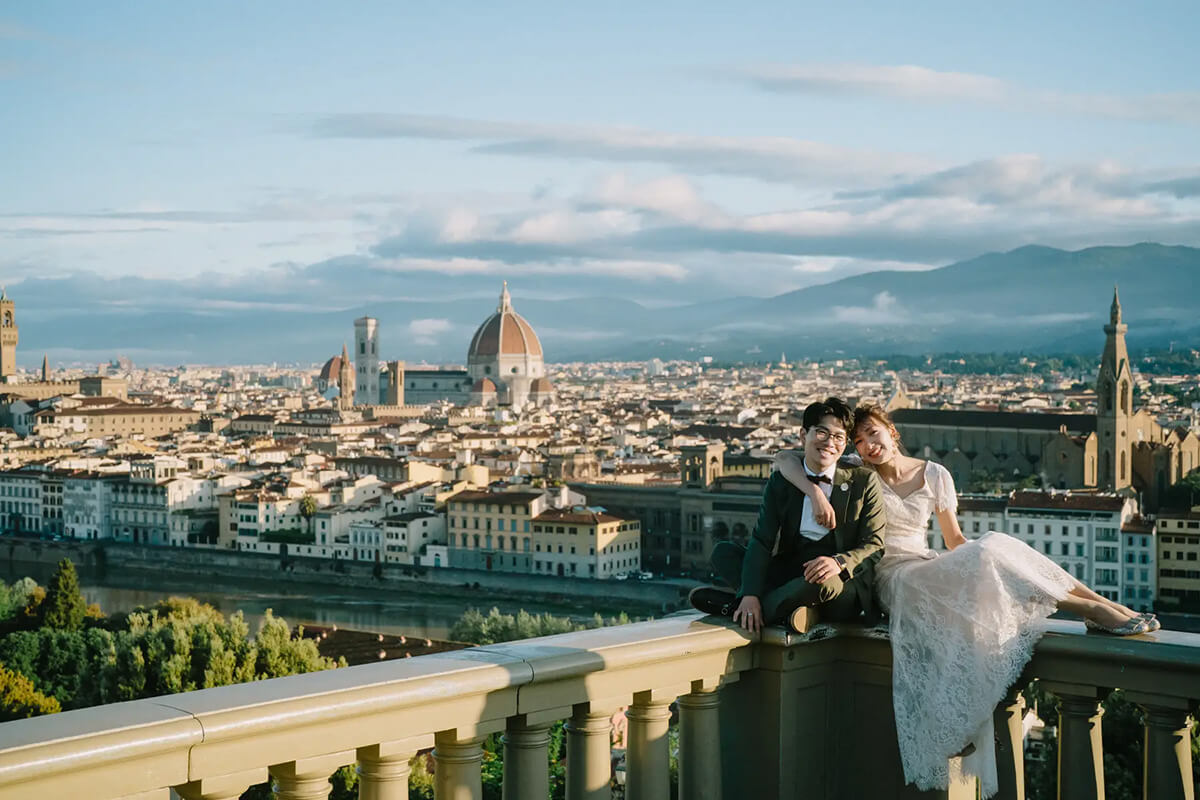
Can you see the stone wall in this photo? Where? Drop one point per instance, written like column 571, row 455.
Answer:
column 228, row 564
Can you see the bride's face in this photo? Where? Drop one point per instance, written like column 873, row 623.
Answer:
column 874, row 442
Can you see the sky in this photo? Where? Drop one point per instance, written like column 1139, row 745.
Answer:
column 314, row 155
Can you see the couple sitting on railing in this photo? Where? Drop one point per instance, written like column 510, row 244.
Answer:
column 850, row 542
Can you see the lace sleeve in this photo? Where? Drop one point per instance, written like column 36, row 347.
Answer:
column 944, row 496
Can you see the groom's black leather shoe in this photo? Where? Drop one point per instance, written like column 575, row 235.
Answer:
column 711, row 600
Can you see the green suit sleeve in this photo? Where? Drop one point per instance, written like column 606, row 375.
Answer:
column 872, row 519
column 766, row 531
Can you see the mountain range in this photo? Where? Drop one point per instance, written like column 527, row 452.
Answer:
column 1034, row 298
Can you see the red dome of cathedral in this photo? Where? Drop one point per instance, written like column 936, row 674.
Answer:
column 329, row 372
column 505, row 333
column 484, row 386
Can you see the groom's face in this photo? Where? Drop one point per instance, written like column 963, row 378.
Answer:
column 823, row 443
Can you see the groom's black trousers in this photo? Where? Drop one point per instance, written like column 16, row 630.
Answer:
column 785, row 589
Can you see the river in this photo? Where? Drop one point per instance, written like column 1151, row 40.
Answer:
column 414, row 614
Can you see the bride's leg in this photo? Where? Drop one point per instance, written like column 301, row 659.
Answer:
column 1082, row 591
column 1096, row 610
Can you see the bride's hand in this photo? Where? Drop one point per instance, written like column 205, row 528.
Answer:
column 822, row 509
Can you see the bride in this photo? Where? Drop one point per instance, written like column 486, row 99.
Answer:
column 963, row 624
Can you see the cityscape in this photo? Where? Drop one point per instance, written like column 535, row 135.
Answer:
column 599, row 402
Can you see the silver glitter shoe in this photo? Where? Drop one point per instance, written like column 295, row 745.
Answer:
column 1131, row 627
column 1151, row 621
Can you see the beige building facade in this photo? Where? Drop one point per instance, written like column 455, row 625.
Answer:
column 1179, row 559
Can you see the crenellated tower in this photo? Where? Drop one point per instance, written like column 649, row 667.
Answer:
column 8, row 337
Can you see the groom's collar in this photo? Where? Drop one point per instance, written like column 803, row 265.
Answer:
column 830, row 473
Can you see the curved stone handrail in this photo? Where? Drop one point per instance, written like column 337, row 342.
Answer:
column 779, row 690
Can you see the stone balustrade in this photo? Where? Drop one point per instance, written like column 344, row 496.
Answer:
column 768, row 716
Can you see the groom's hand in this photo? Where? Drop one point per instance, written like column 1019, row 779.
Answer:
column 820, row 569
column 748, row 614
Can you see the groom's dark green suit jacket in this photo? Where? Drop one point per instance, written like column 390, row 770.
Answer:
column 857, row 502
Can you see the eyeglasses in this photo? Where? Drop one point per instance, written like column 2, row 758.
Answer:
column 825, row 435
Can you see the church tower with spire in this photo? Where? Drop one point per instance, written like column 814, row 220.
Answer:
column 1114, row 404
column 8, row 337
column 345, row 382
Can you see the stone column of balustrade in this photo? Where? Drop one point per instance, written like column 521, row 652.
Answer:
column 1080, row 750
column 223, row 787
column 647, row 771
column 308, row 778
column 589, row 754
column 383, row 775
column 526, row 759
column 1167, row 758
column 457, row 765
column 700, row 744
column 1010, row 746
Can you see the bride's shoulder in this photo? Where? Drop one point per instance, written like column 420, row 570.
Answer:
column 936, row 473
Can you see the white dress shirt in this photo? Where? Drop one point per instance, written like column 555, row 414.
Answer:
column 809, row 528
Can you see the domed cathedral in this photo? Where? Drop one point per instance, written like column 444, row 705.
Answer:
column 505, row 362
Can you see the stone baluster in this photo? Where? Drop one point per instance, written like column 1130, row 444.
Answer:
column 700, row 743
column 1080, row 751
column 646, row 761
column 1167, row 759
column 457, row 763
column 1010, row 746
column 223, row 787
column 308, row 778
column 383, row 771
column 526, row 759
column 589, row 753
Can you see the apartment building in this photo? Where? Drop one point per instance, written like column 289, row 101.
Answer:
column 492, row 530
column 584, row 542
column 1178, row 535
column 21, row 501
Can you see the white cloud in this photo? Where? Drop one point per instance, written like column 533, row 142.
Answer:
column 884, row 310
column 776, row 159
column 911, row 82
column 427, row 331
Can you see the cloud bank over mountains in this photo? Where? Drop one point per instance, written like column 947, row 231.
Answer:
column 667, row 217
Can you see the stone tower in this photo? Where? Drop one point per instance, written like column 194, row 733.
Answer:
column 45, row 368
column 1114, row 404
column 366, row 361
column 701, row 464
column 8, row 337
column 345, row 382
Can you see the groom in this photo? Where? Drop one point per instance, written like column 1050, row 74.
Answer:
column 792, row 562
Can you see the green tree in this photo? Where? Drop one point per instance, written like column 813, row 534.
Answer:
column 14, row 598
column 64, row 607
column 475, row 628
column 308, row 509
column 20, row 700
column 1184, row 494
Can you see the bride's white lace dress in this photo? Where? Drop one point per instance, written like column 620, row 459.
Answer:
column 963, row 626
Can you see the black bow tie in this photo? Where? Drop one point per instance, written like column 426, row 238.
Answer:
column 819, row 478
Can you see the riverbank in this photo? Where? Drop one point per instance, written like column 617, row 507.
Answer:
column 638, row 598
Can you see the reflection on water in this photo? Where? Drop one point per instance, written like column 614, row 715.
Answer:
column 418, row 614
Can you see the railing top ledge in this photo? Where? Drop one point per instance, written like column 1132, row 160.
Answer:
column 675, row 637
column 158, row 722
column 105, row 733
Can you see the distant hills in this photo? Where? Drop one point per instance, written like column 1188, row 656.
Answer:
column 1033, row 298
